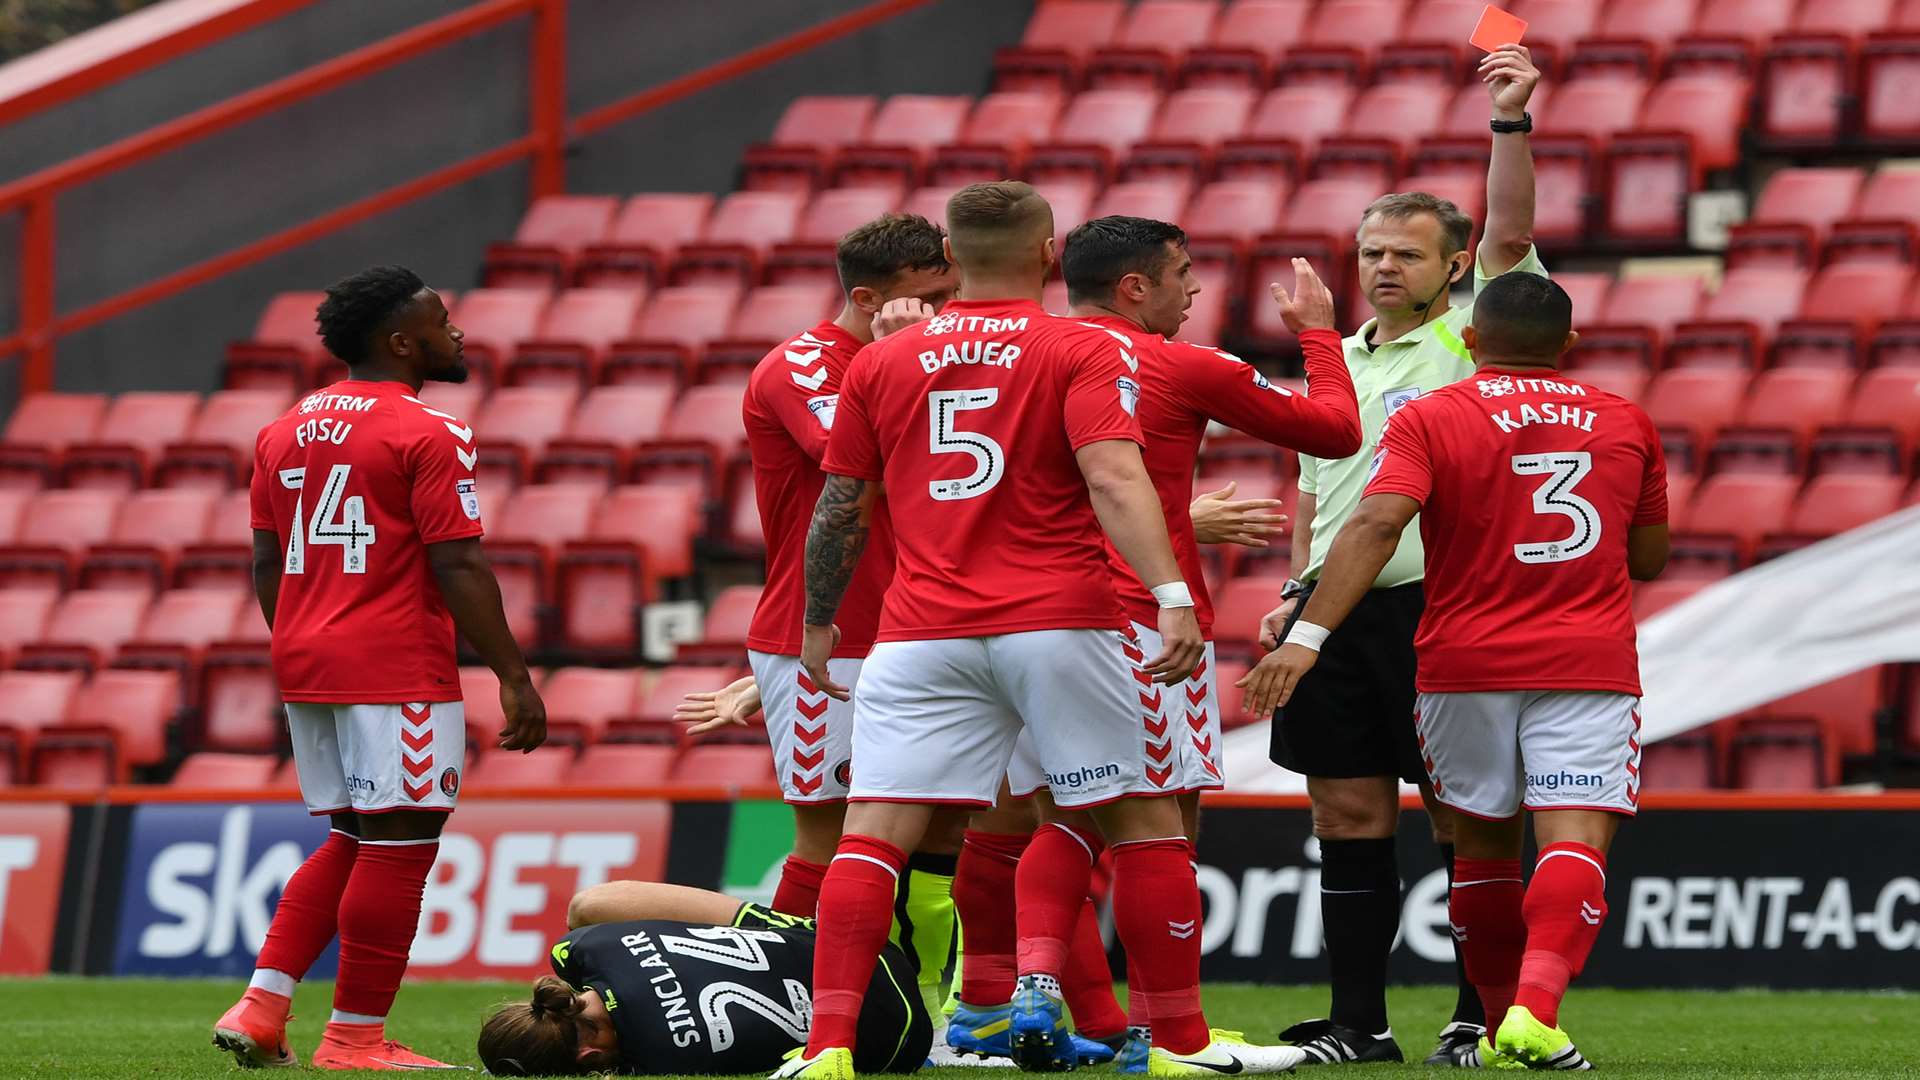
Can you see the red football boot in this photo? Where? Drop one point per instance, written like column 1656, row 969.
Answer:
column 255, row 1030
column 366, row 1046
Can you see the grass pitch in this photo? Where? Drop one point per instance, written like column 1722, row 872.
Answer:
column 151, row 1028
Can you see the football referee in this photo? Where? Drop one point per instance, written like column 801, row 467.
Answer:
column 1349, row 726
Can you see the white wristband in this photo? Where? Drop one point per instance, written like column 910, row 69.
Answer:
column 1308, row 635
column 1173, row 594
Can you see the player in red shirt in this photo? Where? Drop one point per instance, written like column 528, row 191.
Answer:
column 789, row 409
column 366, row 557
column 1539, row 498
column 1132, row 278
column 1006, row 442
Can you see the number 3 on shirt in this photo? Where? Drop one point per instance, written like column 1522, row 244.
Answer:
column 336, row 520
column 989, row 460
column 1555, row 496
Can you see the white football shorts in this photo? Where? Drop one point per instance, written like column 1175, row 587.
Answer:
column 1493, row 753
column 371, row 758
column 937, row 720
column 1192, row 714
column 810, row 731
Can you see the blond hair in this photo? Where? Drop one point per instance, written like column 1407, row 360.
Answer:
column 996, row 227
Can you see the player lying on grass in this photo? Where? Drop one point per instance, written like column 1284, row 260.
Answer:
column 655, row 979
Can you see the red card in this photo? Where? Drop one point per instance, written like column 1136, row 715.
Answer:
column 1496, row 28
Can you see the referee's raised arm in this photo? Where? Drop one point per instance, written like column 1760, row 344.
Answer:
column 1349, row 725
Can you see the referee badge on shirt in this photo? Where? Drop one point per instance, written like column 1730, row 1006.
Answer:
column 1129, row 394
column 469, row 497
column 1395, row 400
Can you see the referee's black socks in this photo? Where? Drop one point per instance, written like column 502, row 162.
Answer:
column 1360, row 914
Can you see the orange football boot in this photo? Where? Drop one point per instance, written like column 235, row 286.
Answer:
column 255, row 1030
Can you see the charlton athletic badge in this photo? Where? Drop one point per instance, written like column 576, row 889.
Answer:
column 450, row 782
column 843, row 774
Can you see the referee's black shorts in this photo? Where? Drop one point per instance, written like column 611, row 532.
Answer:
column 1352, row 715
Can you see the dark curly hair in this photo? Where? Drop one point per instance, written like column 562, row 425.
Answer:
column 358, row 307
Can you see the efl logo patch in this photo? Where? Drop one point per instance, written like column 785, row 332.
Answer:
column 823, row 408
column 469, row 498
column 1395, row 400
column 1129, row 394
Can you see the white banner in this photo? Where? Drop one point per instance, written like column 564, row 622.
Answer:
column 1810, row 617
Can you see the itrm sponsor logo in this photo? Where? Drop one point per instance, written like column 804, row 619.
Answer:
column 1563, row 779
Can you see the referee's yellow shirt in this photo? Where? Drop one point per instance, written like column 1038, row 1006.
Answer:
column 1386, row 377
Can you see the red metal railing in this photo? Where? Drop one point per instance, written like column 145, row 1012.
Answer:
column 42, row 324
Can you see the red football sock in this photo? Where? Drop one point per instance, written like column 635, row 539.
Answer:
column 799, row 890
column 1087, row 981
column 983, row 898
column 1049, row 891
column 1565, row 906
column 378, row 913
column 1137, row 1015
column 1156, row 905
column 309, row 909
column 1484, row 905
column 856, row 911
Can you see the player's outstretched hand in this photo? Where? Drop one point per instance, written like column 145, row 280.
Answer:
column 526, row 717
column 1270, row 684
column 1218, row 518
column 898, row 314
column 816, row 648
column 1311, row 305
column 1275, row 622
column 1181, row 646
column 1510, row 76
column 733, row 704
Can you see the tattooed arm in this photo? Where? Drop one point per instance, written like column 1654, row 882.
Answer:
column 834, row 542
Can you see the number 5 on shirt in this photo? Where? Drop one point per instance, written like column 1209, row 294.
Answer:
column 336, row 520
column 989, row 460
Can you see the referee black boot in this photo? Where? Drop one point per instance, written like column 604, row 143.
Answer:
column 1328, row 1043
column 1459, row 1046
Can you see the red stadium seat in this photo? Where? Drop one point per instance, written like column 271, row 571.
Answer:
column 574, row 334
column 180, row 625
column 641, row 535
column 53, row 528
column 1247, row 40
column 1848, row 18
column 589, row 699
column 496, row 321
column 724, row 634
column 218, row 448
column 725, row 766
column 1596, row 107
column 1652, row 597
column 240, row 702
column 610, row 422
column 839, row 211
column 1588, row 291
column 1429, row 49
column 1237, row 612
column 1380, row 131
column 1752, row 21
column 994, row 142
column 1074, row 25
column 546, row 769
column 1689, row 124
column 1357, row 24
column 1320, row 221
column 1683, row 762
column 1631, row 37
column 41, row 427
column 1882, row 223
column 1695, row 403
column 1729, row 514
column 1640, row 312
column 210, row 770
column 1092, row 135
column 523, row 543
column 900, row 140
column 1844, row 708
column 742, row 229
column 550, row 237
column 1784, row 407
column 1814, row 197
column 1158, row 199
column 1285, row 130
column 514, row 427
column 119, row 718
column 133, row 431
column 1553, row 26
column 1776, row 755
column 672, row 331
column 288, row 320
column 1888, row 398
column 1151, row 43
column 1628, row 382
column 32, row 700
column 805, row 140
column 771, row 314
column 1189, row 130
column 653, row 710
column 1806, row 80
column 1738, row 317
column 88, row 627
column 1235, row 209
column 1889, row 71
column 149, row 529
column 23, row 618
column 701, row 434
column 644, row 237
column 1835, row 503
column 615, row 765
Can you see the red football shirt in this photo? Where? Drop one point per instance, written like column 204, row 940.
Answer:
column 1182, row 387
column 1527, row 487
column 789, row 410
column 971, row 420
column 357, row 479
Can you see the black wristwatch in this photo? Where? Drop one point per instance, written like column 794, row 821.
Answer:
column 1505, row 127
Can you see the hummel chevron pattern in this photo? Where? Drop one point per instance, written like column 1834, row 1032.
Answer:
column 809, row 769
column 416, row 750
